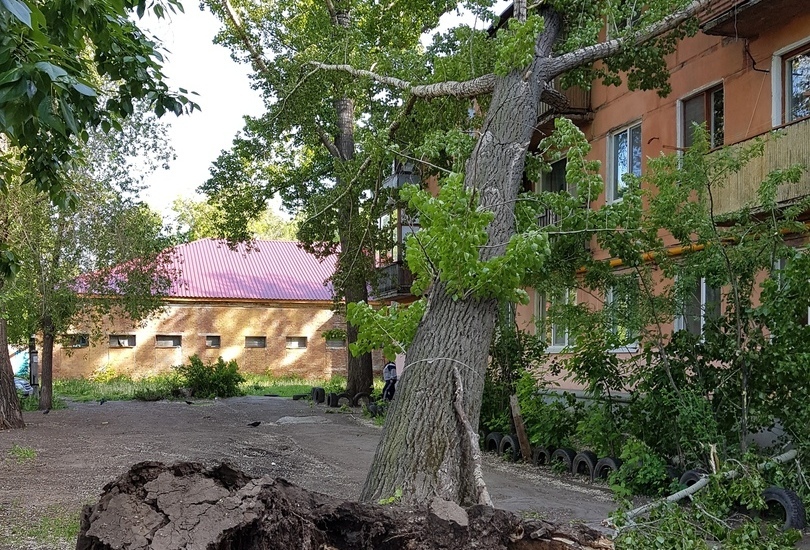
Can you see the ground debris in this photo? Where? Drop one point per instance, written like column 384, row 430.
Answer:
column 189, row 506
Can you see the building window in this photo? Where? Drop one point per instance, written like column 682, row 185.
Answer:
column 797, row 84
column 701, row 305
column 703, row 109
column 77, row 340
column 255, row 341
column 625, row 158
column 168, row 341
column 554, row 181
column 122, row 340
column 296, row 342
column 335, row 343
column 559, row 336
column 621, row 304
column 212, row 341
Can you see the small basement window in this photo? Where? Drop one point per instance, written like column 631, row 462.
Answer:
column 296, row 342
column 212, row 341
column 336, row 343
column 168, row 341
column 122, row 340
column 77, row 340
column 255, row 341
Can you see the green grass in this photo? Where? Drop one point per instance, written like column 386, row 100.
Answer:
column 22, row 454
column 165, row 386
column 31, row 403
column 56, row 525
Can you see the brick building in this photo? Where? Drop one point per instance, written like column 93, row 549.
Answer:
column 266, row 306
column 743, row 75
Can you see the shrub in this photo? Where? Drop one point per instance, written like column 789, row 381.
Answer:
column 218, row 379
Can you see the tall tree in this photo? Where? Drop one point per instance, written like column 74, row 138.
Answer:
column 470, row 250
column 53, row 57
column 105, row 255
column 319, row 143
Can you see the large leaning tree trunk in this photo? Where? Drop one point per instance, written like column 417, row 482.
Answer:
column 425, row 449
column 10, row 412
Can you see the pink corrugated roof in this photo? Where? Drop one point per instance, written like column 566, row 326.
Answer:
column 265, row 270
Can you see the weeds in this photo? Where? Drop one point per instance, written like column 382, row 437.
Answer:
column 22, row 454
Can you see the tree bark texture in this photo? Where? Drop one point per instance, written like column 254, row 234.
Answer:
column 10, row 412
column 422, row 451
column 187, row 506
column 46, row 366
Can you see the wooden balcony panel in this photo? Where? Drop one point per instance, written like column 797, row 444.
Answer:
column 579, row 101
column 740, row 189
column 749, row 18
column 393, row 280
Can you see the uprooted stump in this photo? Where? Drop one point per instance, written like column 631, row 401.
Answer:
column 187, row 505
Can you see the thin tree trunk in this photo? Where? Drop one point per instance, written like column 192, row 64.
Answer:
column 46, row 367
column 352, row 262
column 10, row 412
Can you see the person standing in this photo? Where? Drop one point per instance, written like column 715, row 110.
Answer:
column 390, row 378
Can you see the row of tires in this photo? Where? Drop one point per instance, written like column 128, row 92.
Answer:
column 319, row 395
column 783, row 504
column 584, row 463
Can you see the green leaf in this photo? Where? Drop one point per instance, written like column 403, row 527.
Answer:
column 84, row 89
column 53, row 71
column 18, row 10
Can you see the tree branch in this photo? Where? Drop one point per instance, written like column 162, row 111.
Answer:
column 330, row 6
column 590, row 54
column 327, row 142
column 472, row 441
column 255, row 54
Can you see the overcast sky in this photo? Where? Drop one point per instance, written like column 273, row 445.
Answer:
column 197, row 64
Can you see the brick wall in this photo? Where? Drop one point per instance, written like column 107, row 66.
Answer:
column 232, row 323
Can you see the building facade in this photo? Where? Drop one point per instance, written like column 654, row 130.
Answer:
column 265, row 305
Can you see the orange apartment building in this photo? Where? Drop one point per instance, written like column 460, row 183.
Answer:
column 746, row 73
column 266, row 307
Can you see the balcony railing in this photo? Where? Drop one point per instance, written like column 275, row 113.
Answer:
column 393, row 280
column 748, row 18
column 793, row 147
column 579, row 102
column 547, row 218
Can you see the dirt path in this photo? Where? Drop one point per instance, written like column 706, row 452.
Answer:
column 79, row 449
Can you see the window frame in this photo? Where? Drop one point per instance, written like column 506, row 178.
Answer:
column 779, row 101
column 261, row 342
column 680, row 322
column 168, row 341
column 615, row 187
column 209, row 345
column 707, row 93
column 76, row 340
column 294, row 342
column 631, row 347
column 131, row 341
column 552, row 328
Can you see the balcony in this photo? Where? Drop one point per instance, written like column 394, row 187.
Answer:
column 748, row 18
column 579, row 106
column 548, row 218
column 740, row 189
column 393, row 280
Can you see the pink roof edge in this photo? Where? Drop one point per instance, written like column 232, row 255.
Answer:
column 260, row 270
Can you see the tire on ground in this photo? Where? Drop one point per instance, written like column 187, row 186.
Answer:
column 785, row 504
column 564, row 455
column 541, row 456
column 361, row 399
column 584, row 464
column 318, row 395
column 690, row 477
column 492, row 442
column 344, row 399
column 605, row 466
column 299, row 396
column 372, row 409
column 509, row 447
column 331, row 399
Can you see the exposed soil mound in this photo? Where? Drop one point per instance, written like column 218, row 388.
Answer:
column 189, row 506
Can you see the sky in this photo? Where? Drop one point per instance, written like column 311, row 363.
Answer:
column 195, row 63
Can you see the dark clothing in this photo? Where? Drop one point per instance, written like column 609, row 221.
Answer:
column 390, row 377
